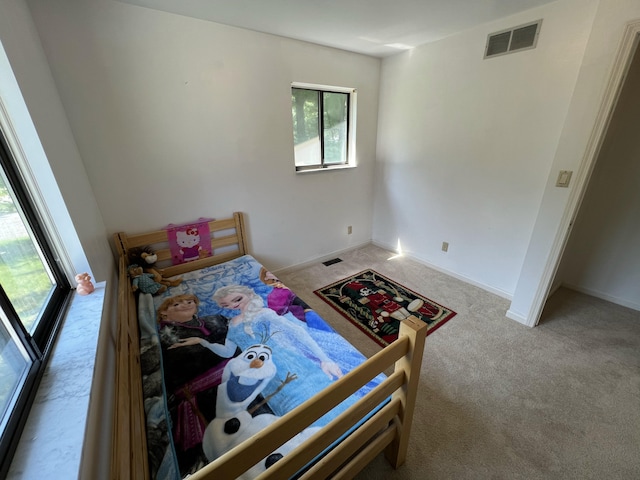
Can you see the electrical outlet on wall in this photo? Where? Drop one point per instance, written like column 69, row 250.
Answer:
column 445, row 246
column 349, row 230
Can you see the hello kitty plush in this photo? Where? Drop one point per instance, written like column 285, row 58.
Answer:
column 189, row 242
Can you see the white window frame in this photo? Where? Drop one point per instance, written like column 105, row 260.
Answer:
column 351, row 127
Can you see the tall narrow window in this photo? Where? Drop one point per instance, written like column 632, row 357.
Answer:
column 322, row 127
column 33, row 294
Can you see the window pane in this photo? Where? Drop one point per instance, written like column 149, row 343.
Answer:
column 23, row 274
column 34, row 292
column 306, row 136
column 14, row 366
column 335, row 127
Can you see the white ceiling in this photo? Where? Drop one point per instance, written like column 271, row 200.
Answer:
column 372, row 27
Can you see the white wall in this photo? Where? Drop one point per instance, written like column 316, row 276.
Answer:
column 177, row 118
column 602, row 257
column 558, row 204
column 465, row 145
column 42, row 134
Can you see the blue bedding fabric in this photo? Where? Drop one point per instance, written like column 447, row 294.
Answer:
column 224, row 354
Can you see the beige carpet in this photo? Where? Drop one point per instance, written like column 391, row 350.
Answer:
column 502, row 401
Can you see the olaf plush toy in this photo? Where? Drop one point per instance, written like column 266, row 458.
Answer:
column 243, row 378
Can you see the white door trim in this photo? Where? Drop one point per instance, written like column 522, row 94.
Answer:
column 617, row 77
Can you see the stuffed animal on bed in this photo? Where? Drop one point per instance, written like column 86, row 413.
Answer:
column 243, row 378
column 145, row 282
column 147, row 258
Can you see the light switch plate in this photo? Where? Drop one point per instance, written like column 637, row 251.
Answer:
column 563, row 178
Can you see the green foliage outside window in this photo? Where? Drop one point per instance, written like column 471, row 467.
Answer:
column 321, row 116
column 24, row 280
column 6, row 204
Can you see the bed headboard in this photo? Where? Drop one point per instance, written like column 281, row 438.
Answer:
column 225, row 235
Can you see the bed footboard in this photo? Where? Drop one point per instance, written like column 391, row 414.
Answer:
column 387, row 430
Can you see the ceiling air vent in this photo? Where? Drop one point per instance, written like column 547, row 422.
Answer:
column 515, row 39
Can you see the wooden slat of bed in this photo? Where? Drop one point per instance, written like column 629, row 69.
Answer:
column 396, row 452
column 160, row 236
column 158, row 240
column 129, row 460
column 164, row 254
column 368, row 453
column 314, row 446
column 121, row 435
column 377, row 424
column 139, row 461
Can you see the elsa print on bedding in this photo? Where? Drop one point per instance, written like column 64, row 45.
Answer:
column 285, row 302
column 295, row 352
column 317, row 355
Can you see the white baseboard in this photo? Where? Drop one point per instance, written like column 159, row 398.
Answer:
column 337, row 253
column 319, row 259
column 518, row 318
column 488, row 288
column 554, row 288
column 603, row 296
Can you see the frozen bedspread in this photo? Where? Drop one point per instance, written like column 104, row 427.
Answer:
column 223, row 355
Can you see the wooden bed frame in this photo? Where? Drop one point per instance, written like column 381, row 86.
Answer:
column 387, row 430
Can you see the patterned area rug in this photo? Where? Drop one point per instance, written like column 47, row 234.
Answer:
column 377, row 304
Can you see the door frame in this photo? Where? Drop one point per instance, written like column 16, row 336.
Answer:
column 622, row 62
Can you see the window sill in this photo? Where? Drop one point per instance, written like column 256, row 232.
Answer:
column 53, row 437
column 327, row 169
